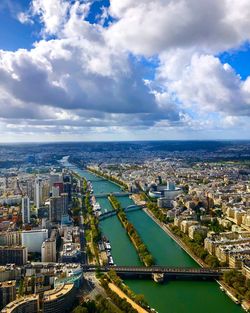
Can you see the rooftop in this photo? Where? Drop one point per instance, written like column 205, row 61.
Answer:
column 57, row 292
column 6, row 284
column 14, row 304
column 12, row 247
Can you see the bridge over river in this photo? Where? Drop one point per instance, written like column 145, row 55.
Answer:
column 162, row 271
column 130, row 208
column 116, row 194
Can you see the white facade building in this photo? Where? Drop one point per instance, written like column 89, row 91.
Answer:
column 33, row 239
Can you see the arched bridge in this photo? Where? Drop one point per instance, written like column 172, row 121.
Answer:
column 166, row 272
column 134, row 207
column 106, row 215
column 130, row 208
column 116, row 194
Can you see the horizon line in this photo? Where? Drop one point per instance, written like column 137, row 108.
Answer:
column 117, row 141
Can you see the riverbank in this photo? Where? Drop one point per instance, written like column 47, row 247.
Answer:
column 229, row 291
column 167, row 230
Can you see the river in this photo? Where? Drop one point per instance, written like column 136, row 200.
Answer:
column 173, row 296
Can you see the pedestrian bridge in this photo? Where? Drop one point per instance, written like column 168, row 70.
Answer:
column 130, row 208
column 166, row 272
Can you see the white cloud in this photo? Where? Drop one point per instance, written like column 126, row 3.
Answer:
column 53, row 14
column 153, row 26
column 201, row 82
column 91, row 77
column 75, row 79
column 24, row 18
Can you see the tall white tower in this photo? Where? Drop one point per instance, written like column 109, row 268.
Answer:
column 38, row 184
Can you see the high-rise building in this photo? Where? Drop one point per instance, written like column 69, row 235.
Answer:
column 48, row 251
column 26, row 210
column 42, row 191
column 45, row 191
column 65, row 203
column 7, row 292
column 58, row 207
column 55, row 205
column 67, row 182
column 38, row 188
column 30, row 190
column 17, row 255
column 27, row 187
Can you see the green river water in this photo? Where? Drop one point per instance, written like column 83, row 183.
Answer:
column 173, row 296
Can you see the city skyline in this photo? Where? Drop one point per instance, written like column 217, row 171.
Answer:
column 125, row 227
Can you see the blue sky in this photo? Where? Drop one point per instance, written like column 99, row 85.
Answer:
column 13, row 34
column 114, row 70
column 239, row 59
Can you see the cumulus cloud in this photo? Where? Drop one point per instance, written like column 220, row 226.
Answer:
column 153, row 26
column 75, row 72
column 66, row 74
column 201, row 82
column 90, row 76
column 53, row 14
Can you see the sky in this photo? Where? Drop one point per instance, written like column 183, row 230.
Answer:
column 93, row 70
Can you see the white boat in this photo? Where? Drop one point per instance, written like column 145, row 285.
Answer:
column 111, row 261
column 96, row 207
column 107, row 246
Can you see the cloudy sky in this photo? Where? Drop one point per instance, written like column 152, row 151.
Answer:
column 124, row 69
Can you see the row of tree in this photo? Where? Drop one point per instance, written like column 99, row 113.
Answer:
column 157, row 212
column 196, row 246
column 143, row 252
column 239, row 282
column 100, row 305
column 92, row 231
